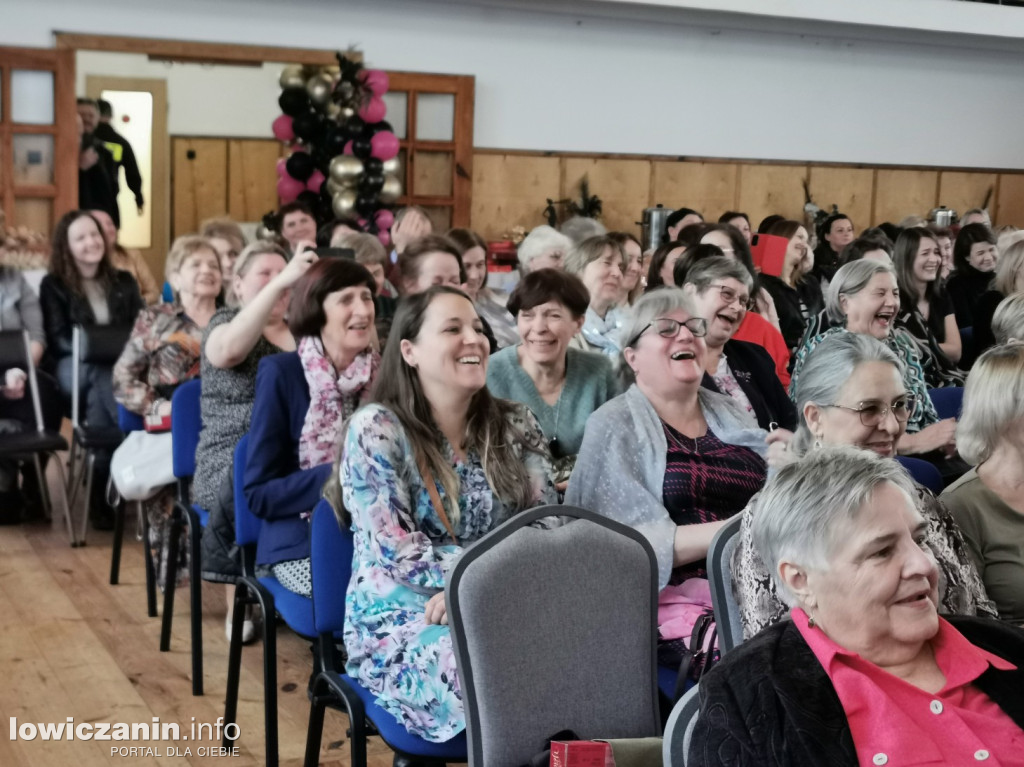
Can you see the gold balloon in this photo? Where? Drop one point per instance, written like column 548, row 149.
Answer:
column 392, row 166
column 319, row 89
column 391, row 191
column 333, row 71
column 344, row 203
column 345, row 169
column 333, row 187
column 332, row 110
column 347, row 112
column 291, row 77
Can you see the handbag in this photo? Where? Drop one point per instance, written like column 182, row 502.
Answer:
column 688, row 634
column 142, row 465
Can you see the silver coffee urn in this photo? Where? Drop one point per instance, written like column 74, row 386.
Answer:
column 653, row 226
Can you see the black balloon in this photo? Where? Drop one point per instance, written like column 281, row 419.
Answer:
column 325, row 192
column 373, row 166
column 371, row 183
column 354, row 126
column 382, row 125
column 361, row 147
column 294, row 101
column 307, row 125
column 300, row 166
column 312, row 199
column 366, row 204
column 334, row 142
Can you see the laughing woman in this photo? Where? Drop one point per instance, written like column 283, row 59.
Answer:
column 432, row 466
column 597, row 261
column 669, row 457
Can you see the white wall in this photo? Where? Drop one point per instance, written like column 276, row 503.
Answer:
column 604, row 77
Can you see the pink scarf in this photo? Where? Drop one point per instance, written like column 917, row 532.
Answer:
column 333, row 397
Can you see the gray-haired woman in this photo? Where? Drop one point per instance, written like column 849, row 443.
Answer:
column 852, row 393
column 597, row 261
column 866, row 672
column 1008, row 320
column 668, row 457
column 543, row 248
column 864, row 298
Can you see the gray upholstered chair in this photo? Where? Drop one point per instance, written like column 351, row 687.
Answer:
column 727, row 611
column 555, row 629
column 675, row 746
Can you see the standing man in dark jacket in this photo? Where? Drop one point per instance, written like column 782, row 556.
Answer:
column 124, row 156
column 97, row 172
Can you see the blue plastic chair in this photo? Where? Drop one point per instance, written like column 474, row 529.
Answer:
column 127, row 422
column 948, row 401
column 186, row 423
column 167, row 293
column 273, row 599
column 331, row 553
column 922, row 472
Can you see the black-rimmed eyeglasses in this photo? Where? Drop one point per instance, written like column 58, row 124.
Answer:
column 666, row 327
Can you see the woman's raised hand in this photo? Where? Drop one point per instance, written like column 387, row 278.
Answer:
column 305, row 256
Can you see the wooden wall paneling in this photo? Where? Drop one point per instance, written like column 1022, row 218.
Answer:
column 1009, row 204
column 963, row 191
column 622, row 185
column 512, row 190
column 770, row 189
column 252, row 177
column 849, row 188
column 709, row 187
column 200, row 181
column 901, row 193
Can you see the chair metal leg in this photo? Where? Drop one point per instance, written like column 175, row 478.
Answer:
column 234, row 659
column 44, row 489
column 90, row 465
column 115, row 549
column 171, row 580
column 143, row 524
column 67, row 501
column 269, row 687
column 72, row 455
column 196, row 594
column 315, row 731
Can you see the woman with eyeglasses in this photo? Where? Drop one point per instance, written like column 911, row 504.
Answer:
column 720, row 288
column 669, row 457
column 852, row 392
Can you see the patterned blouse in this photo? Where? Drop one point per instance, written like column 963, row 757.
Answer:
column 961, row 591
column 727, row 384
column 403, row 555
column 162, row 352
column 707, row 480
column 904, row 346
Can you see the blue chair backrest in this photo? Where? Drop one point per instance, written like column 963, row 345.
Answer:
column 186, row 423
column 167, row 294
column 127, row 421
column 922, row 472
column 331, row 551
column 948, row 401
column 247, row 524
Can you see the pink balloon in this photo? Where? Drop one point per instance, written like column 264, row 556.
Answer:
column 282, row 169
column 384, row 237
column 348, row 148
column 282, row 127
column 288, row 189
column 384, row 145
column 315, row 181
column 384, row 219
column 376, row 80
column 363, row 222
column 373, row 111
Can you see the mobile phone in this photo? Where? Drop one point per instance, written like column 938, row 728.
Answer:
column 336, row 253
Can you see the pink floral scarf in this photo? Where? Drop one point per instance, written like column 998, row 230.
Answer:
column 333, row 397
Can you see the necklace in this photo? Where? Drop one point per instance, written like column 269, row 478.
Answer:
column 556, row 450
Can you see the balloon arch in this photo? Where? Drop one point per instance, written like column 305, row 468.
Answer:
column 344, row 155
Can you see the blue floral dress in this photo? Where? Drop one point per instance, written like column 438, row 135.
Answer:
column 403, row 556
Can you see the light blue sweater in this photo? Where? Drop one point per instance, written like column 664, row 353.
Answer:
column 589, row 383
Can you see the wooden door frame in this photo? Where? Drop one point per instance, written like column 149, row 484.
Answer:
column 160, row 182
column 64, row 190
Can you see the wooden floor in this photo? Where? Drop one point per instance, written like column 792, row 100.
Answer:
column 72, row 645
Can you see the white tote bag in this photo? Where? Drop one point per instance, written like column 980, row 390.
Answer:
column 142, row 464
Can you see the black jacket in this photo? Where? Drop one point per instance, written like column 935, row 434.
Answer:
column 62, row 310
column 754, row 370
column 787, row 304
column 97, row 186
column 123, row 157
column 770, row 702
column 965, row 287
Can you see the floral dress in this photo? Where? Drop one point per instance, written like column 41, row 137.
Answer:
column 403, row 556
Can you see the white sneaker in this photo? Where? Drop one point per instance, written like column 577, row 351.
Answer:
column 252, row 617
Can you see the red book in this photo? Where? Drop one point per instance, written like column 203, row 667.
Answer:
column 769, row 253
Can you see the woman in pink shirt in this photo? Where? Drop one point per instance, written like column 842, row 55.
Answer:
column 865, row 672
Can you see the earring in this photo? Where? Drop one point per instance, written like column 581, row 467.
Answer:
column 817, row 444
column 810, row 622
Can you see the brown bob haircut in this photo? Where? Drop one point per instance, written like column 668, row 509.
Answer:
column 543, row 285
column 328, row 275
